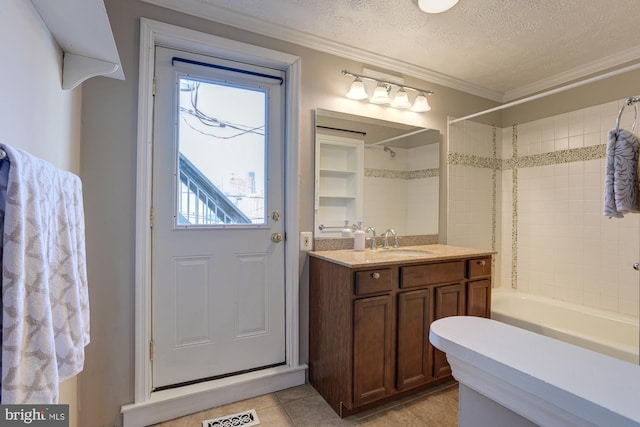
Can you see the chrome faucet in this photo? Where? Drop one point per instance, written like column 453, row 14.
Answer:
column 374, row 245
column 385, row 244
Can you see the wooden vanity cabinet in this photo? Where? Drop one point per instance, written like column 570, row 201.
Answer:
column 450, row 301
column 479, row 287
column 369, row 327
column 372, row 348
column 445, row 281
column 415, row 314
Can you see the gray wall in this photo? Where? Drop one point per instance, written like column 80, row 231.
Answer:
column 601, row 92
column 108, row 159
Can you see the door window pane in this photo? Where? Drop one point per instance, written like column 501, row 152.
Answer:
column 221, row 154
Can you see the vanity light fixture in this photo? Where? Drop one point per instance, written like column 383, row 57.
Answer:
column 380, row 94
column 387, row 92
column 401, row 100
column 436, row 6
column 357, row 90
column 421, row 104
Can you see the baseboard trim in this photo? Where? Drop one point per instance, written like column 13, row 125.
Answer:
column 169, row 404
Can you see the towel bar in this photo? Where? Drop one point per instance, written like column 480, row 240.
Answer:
column 629, row 102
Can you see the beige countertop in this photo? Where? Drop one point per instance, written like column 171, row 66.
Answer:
column 401, row 255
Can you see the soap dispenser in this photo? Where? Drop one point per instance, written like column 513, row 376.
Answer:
column 346, row 231
column 358, row 241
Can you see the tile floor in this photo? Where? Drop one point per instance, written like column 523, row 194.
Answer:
column 302, row 406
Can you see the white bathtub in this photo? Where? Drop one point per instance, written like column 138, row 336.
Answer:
column 610, row 333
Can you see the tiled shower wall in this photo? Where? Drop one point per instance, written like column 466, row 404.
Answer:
column 473, row 176
column 401, row 192
column 544, row 213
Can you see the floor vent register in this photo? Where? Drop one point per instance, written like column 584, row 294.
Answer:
column 241, row 419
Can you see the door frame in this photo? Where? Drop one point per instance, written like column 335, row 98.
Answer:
column 150, row 407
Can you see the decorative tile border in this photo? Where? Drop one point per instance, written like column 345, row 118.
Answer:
column 396, row 174
column 544, row 159
column 564, row 156
column 424, row 173
column 474, row 161
column 494, row 189
column 494, row 198
column 514, row 210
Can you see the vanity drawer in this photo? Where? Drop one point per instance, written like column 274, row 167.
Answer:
column 373, row 281
column 429, row 274
column 480, row 267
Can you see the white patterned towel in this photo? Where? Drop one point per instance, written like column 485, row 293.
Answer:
column 621, row 174
column 45, row 301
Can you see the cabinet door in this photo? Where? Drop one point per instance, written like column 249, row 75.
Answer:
column 372, row 349
column 414, row 317
column 479, row 298
column 449, row 301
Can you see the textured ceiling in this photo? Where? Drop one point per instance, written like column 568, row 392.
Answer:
column 502, row 49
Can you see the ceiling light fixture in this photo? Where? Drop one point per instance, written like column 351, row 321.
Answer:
column 436, row 6
column 382, row 94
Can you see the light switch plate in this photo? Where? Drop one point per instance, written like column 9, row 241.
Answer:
column 306, row 241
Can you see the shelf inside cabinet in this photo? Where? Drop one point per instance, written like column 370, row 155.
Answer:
column 339, row 179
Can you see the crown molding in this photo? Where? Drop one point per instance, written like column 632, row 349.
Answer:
column 202, row 9
column 593, row 68
column 221, row 15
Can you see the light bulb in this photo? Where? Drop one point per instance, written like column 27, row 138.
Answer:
column 357, row 90
column 401, row 100
column 380, row 95
column 420, row 104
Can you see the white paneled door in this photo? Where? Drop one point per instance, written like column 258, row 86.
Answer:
column 217, row 218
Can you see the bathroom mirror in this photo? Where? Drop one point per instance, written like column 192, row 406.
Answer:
column 382, row 173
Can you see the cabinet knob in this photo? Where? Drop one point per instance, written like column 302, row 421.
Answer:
column 375, row 275
column 481, row 263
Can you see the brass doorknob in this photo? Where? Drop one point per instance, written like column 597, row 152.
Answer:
column 276, row 237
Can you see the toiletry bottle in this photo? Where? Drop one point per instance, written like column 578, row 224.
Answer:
column 346, row 231
column 358, row 241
